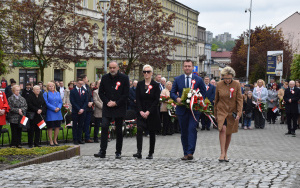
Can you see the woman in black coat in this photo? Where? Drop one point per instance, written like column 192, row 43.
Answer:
column 147, row 101
column 37, row 106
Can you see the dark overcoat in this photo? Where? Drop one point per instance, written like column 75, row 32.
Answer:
column 291, row 107
column 108, row 91
column 148, row 102
column 34, row 104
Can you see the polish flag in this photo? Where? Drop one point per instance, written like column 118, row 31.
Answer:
column 41, row 124
column 24, row 120
column 275, row 109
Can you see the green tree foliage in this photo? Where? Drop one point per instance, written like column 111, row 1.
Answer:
column 295, row 67
column 263, row 39
column 227, row 45
column 214, row 47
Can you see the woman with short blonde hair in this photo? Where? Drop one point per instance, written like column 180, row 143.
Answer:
column 228, row 109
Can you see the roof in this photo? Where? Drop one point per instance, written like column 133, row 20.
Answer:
column 225, row 54
column 288, row 18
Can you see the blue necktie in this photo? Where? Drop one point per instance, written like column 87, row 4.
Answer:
column 187, row 82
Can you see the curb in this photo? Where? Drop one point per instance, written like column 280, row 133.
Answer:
column 59, row 155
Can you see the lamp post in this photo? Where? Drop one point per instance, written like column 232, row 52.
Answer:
column 104, row 7
column 248, row 54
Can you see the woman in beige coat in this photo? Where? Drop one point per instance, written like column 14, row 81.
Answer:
column 97, row 111
column 168, row 128
column 228, row 103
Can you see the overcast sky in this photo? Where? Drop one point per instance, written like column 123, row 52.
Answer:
column 219, row 16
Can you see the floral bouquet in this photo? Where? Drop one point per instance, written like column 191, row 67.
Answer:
column 282, row 106
column 171, row 106
column 164, row 98
column 193, row 100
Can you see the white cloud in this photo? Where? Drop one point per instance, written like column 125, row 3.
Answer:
column 221, row 16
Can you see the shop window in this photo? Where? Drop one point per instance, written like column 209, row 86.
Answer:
column 58, row 74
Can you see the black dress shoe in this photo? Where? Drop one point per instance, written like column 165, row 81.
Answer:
column 81, row 142
column 56, row 144
column 118, row 156
column 288, row 133
column 52, row 145
column 100, row 154
column 293, row 134
column 281, row 122
column 203, row 129
column 76, row 143
column 208, row 129
column 38, row 146
column 150, row 156
column 137, row 155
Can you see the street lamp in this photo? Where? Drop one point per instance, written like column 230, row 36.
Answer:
column 248, row 55
column 104, row 7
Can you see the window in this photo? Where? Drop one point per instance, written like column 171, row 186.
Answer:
column 27, row 40
column 79, row 72
column 95, row 35
column 58, row 74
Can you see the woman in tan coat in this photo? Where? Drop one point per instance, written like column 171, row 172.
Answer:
column 97, row 111
column 167, row 123
column 228, row 103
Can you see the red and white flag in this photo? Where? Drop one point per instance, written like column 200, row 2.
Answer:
column 275, row 109
column 41, row 124
column 24, row 120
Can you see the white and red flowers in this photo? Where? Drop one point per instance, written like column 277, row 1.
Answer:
column 118, row 85
column 149, row 88
column 231, row 92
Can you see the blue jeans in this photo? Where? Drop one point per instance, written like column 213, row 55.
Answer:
column 247, row 122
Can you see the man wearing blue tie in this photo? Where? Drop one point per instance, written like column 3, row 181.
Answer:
column 210, row 95
column 186, row 120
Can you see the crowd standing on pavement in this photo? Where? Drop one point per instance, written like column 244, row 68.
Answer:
column 109, row 100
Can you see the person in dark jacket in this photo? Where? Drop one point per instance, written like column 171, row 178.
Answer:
column 132, row 96
column 27, row 91
column 8, row 91
column 37, row 105
column 18, row 108
column 113, row 91
column 89, row 109
column 248, row 109
column 79, row 102
column 147, row 100
column 291, row 98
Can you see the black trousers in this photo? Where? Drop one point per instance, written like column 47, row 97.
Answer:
column 139, row 140
column 259, row 119
column 16, row 134
column 77, row 128
column 271, row 115
column 104, row 134
column 34, row 129
column 292, row 117
column 168, row 127
column 98, row 121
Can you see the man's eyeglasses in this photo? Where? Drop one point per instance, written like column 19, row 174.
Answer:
column 148, row 72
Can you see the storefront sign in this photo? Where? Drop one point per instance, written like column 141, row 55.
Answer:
column 25, row 63
column 80, row 64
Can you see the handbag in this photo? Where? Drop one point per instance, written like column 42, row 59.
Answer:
column 249, row 115
column 30, row 115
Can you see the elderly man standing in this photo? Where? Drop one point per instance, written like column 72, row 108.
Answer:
column 113, row 91
column 291, row 98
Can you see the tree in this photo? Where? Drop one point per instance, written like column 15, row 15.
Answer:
column 295, row 67
column 3, row 12
column 138, row 31
column 263, row 39
column 50, row 32
column 214, row 47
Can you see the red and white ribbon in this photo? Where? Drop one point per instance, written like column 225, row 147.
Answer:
column 231, row 92
column 118, row 85
column 210, row 117
column 149, row 88
column 193, row 83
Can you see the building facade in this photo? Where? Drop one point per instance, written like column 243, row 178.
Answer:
column 290, row 28
column 185, row 28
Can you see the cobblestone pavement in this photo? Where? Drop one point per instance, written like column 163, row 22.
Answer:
column 258, row 158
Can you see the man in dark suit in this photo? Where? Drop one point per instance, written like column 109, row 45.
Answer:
column 186, row 120
column 8, row 91
column 113, row 91
column 27, row 91
column 291, row 98
column 210, row 94
column 79, row 101
column 89, row 110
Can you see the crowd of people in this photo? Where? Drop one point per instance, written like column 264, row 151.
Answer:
column 109, row 100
